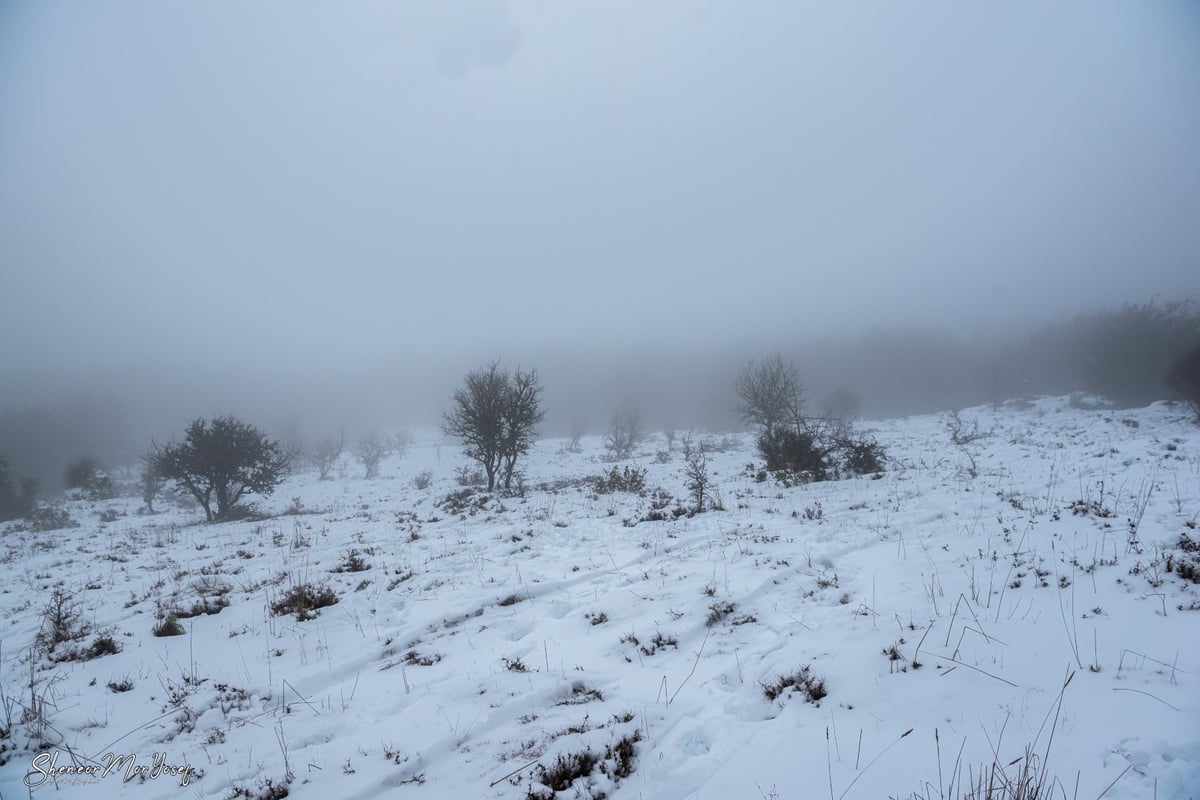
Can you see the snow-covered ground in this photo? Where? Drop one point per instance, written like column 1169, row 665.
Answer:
column 1017, row 597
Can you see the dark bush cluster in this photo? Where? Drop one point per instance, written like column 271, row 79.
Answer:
column 46, row 518
column 818, row 454
column 15, row 501
column 87, row 476
column 303, row 600
column 864, row 457
column 627, row 479
column 465, row 501
column 795, row 452
column 802, row 681
column 1123, row 355
column 795, row 446
column 1184, row 379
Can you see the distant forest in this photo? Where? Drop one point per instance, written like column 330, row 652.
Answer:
column 1121, row 354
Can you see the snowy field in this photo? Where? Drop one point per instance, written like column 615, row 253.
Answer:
column 1021, row 603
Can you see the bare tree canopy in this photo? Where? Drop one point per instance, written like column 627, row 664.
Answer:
column 370, row 451
column 326, row 452
column 222, row 461
column 624, row 433
column 495, row 415
column 771, row 393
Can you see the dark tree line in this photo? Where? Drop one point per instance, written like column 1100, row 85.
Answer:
column 15, row 500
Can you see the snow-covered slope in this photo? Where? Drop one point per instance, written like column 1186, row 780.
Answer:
column 1021, row 591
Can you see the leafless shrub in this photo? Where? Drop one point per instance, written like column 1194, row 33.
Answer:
column 303, row 600
column 960, row 434
column 695, row 472
column 577, row 432
column 326, row 452
column 802, row 681
column 61, row 619
column 630, row 479
column 370, row 451
column 772, row 396
column 624, row 433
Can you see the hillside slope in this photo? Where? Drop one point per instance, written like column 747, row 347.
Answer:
column 863, row 638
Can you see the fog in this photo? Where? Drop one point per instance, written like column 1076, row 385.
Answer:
column 324, row 213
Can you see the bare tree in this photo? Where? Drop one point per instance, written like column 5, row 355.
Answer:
column 624, row 433
column 495, row 416
column 695, row 470
column 152, row 480
column 223, row 460
column 522, row 414
column 326, row 452
column 772, row 395
column 578, row 430
column 401, row 441
column 477, row 418
column 370, row 451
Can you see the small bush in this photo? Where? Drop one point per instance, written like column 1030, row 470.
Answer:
column 464, row 501
column 268, row 789
column 422, row 480
column 415, row 659
column 103, row 645
column 303, row 600
column 960, row 433
column 87, row 476
column 203, row 606
column 565, row 770
column 802, row 681
column 168, row 626
column 617, row 763
column 699, row 482
column 47, row 518
column 861, row 455
column 123, row 685
column 624, row 433
column 719, row 611
column 796, row 452
column 1184, row 561
column 619, row 756
column 61, row 619
column 467, row 475
column 352, row 561
column 629, row 479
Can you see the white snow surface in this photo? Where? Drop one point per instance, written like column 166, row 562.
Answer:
column 479, row 646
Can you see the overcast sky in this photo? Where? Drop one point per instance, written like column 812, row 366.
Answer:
column 236, row 184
